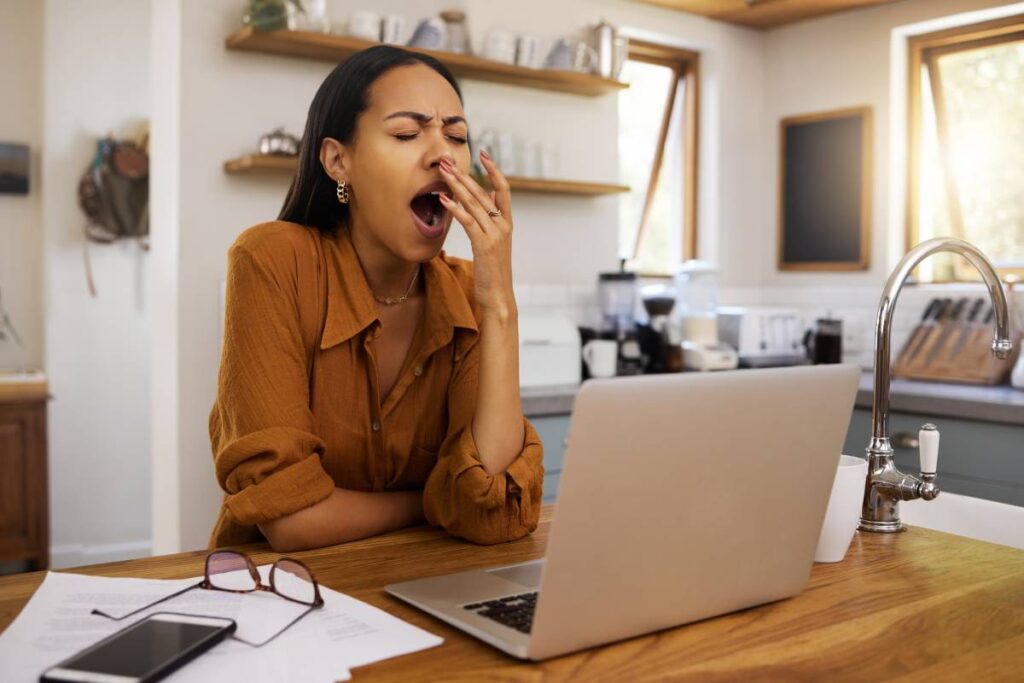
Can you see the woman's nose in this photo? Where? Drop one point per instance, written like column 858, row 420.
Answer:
column 440, row 147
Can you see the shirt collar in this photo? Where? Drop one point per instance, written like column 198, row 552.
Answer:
column 351, row 308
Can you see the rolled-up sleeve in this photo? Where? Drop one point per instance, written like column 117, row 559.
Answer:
column 266, row 455
column 460, row 495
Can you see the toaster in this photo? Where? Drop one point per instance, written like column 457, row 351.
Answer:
column 763, row 336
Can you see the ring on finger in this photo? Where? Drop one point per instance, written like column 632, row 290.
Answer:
column 494, row 213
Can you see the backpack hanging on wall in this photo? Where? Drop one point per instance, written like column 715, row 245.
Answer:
column 113, row 192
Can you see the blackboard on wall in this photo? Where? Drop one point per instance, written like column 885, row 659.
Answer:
column 825, row 191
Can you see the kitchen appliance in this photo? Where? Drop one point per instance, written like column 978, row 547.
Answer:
column 617, row 292
column 824, row 341
column 549, row 350
column 763, row 336
column 660, row 339
column 697, row 309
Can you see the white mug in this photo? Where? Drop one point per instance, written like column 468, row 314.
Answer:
column 500, row 46
column 528, row 158
column 391, row 29
column 364, row 24
column 528, row 51
column 601, row 357
column 548, row 160
column 507, row 156
column 843, row 512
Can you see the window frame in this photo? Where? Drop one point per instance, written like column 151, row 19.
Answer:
column 925, row 50
column 685, row 64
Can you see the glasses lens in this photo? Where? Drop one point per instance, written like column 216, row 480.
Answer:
column 293, row 581
column 229, row 571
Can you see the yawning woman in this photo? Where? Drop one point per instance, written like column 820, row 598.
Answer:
column 368, row 380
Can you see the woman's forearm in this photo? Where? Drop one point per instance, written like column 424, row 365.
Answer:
column 498, row 421
column 344, row 516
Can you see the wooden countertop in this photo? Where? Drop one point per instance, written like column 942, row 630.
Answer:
column 22, row 386
column 921, row 605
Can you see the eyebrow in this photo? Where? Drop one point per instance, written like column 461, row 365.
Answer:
column 424, row 118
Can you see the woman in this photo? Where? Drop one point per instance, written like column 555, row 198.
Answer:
column 369, row 381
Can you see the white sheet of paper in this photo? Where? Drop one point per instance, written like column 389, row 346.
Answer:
column 346, row 633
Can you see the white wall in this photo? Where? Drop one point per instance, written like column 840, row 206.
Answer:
column 96, row 79
column 21, row 234
column 228, row 99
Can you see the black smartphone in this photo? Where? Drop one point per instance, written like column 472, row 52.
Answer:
column 147, row 650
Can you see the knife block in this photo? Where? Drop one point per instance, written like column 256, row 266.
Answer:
column 941, row 357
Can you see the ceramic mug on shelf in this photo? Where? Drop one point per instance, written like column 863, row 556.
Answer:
column 843, row 513
column 528, row 51
column 500, row 46
column 391, row 28
column 364, row 24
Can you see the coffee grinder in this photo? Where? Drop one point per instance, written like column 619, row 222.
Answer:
column 617, row 293
column 661, row 338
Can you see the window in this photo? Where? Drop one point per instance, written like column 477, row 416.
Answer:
column 658, row 158
column 965, row 177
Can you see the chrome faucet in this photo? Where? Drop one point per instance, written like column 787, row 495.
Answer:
column 886, row 486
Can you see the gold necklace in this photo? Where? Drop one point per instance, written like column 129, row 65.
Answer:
column 388, row 301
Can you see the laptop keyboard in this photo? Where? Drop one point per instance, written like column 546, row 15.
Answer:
column 514, row 611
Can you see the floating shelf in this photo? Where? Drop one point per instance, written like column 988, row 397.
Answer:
column 334, row 48
column 269, row 163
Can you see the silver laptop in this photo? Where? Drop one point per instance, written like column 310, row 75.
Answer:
column 682, row 497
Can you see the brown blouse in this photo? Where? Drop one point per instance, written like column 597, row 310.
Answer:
column 298, row 408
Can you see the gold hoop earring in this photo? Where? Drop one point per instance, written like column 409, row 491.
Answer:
column 343, row 193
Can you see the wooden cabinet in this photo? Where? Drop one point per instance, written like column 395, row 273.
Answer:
column 24, row 510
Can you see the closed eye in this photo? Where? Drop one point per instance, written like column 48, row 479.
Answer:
column 411, row 136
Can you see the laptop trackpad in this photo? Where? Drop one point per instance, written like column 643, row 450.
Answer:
column 526, row 574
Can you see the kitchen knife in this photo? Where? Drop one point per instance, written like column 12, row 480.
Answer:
column 945, row 328
column 967, row 328
column 913, row 344
column 916, row 361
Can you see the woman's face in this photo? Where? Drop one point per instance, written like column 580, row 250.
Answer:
column 413, row 119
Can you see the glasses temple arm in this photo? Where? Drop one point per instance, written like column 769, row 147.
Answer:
column 146, row 607
column 290, row 624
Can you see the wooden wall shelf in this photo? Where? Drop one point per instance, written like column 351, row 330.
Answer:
column 334, row 48
column 282, row 165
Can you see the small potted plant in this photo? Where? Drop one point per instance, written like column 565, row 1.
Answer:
column 270, row 15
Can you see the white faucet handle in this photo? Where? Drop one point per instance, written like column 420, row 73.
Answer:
column 928, row 440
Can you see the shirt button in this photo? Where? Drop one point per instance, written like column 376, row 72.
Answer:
column 375, row 426
column 418, row 371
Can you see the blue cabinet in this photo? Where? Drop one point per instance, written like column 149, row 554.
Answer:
column 980, row 459
column 552, row 430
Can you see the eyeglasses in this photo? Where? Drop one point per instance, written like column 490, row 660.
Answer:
column 234, row 572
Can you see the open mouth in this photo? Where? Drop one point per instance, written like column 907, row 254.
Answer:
column 428, row 209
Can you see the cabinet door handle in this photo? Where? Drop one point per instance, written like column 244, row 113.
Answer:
column 904, row 440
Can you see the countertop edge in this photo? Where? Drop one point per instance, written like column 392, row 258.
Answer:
column 998, row 404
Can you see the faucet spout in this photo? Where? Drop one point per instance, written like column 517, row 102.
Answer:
column 885, row 485
column 1001, row 343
